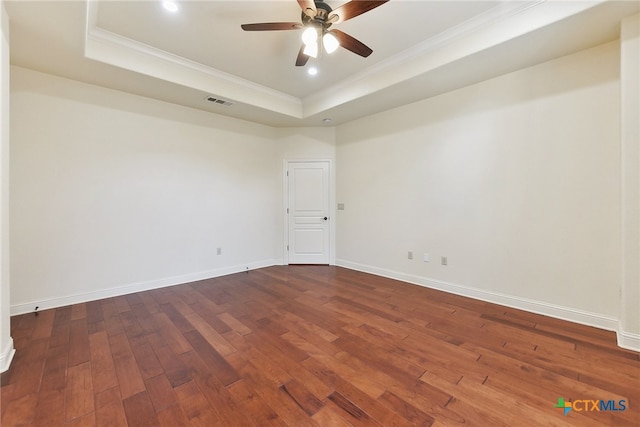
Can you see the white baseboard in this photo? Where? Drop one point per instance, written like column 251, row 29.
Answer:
column 6, row 356
column 625, row 340
column 628, row 340
column 61, row 301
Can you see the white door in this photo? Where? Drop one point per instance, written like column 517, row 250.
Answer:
column 308, row 212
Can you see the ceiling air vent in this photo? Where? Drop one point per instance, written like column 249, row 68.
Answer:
column 219, row 101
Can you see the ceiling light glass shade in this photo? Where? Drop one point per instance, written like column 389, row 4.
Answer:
column 311, row 49
column 310, row 36
column 330, row 43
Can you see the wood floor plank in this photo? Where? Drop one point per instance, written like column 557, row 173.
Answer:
column 149, row 302
column 234, row 323
column 329, row 416
column 112, row 321
column 131, row 325
column 211, row 334
column 88, row 420
column 216, row 364
column 78, row 396
column 54, row 375
column 161, row 392
column 174, row 338
column 375, row 408
column 139, row 410
column 121, row 303
column 103, row 369
column 60, row 329
column 409, row 412
column 501, row 402
column 109, row 409
column 146, row 358
column 22, row 328
column 208, row 311
column 172, row 416
column 177, row 316
column 329, row 369
column 19, row 411
column 302, row 327
column 382, row 359
column 196, row 406
column 309, row 346
column 79, row 311
column 268, row 368
column 27, row 369
column 94, row 312
column 272, row 394
column 228, row 410
column 127, row 370
column 262, row 414
column 44, row 325
column 49, row 410
column 303, row 397
column 173, row 367
column 356, row 415
column 540, row 401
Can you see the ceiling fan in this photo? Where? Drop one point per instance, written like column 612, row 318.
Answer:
column 317, row 18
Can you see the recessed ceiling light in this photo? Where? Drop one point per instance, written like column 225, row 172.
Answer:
column 312, row 71
column 326, row 120
column 171, row 6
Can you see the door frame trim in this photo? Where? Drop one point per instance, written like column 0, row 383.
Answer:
column 332, row 204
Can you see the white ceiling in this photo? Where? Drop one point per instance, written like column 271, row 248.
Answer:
column 420, row 48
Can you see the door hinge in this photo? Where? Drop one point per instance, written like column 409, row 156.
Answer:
column 287, row 248
column 287, row 173
column 287, row 210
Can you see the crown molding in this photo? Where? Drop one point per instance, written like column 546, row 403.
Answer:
column 113, row 49
column 489, row 29
column 503, row 22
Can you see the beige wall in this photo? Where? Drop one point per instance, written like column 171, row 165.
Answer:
column 6, row 343
column 113, row 192
column 630, row 90
column 515, row 180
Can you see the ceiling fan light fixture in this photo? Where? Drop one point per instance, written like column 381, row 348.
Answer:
column 316, row 18
column 310, row 36
column 311, row 49
column 170, row 6
column 330, row 42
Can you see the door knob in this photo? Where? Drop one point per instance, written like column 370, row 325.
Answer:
column 325, row 218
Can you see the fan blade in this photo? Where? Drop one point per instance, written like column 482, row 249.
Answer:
column 353, row 9
column 308, row 7
column 352, row 44
column 272, row 26
column 302, row 59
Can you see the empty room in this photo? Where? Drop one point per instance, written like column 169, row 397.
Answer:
column 320, row 213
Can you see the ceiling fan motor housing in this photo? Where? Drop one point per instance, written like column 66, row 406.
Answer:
column 322, row 14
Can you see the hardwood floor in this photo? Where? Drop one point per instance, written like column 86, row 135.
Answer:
column 311, row 346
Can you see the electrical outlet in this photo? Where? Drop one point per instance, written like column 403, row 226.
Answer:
column 425, row 257
column 443, row 260
column 410, row 255
column 219, row 251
